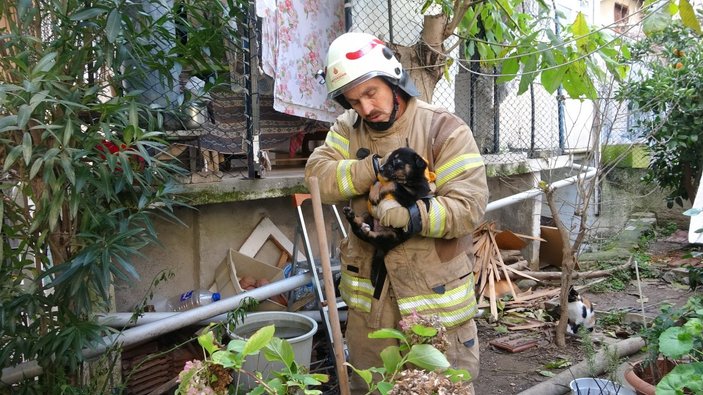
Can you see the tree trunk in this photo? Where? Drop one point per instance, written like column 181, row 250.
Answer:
column 425, row 60
column 567, row 267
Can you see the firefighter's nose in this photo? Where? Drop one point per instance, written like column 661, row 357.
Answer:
column 366, row 107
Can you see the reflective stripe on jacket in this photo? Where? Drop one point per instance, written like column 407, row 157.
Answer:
column 432, row 273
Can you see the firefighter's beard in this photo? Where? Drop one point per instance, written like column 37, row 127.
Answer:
column 383, row 126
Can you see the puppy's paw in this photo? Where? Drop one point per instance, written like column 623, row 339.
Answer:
column 349, row 213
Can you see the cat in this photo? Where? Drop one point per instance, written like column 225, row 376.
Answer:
column 581, row 313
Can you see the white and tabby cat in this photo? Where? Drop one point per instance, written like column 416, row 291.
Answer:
column 581, row 313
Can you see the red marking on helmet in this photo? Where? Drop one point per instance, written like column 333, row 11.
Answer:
column 334, row 70
column 363, row 51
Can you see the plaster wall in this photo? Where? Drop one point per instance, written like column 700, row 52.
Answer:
column 194, row 250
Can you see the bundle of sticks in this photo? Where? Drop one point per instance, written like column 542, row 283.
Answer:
column 489, row 267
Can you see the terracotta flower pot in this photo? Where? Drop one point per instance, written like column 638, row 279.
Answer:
column 644, row 378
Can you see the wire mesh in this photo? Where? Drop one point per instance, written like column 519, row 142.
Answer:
column 220, row 127
column 507, row 127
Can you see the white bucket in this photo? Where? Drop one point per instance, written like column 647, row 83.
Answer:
column 297, row 329
column 592, row 386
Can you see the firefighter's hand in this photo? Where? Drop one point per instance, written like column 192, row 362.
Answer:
column 390, row 213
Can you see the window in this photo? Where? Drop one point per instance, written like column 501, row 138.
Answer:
column 620, row 16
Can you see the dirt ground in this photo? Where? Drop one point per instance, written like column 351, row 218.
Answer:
column 503, row 372
column 510, row 373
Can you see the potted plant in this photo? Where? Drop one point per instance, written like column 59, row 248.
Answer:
column 674, row 350
column 224, row 366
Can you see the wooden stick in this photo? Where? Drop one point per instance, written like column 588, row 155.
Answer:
column 546, row 276
column 339, row 358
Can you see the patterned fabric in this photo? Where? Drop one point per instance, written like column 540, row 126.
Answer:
column 295, row 37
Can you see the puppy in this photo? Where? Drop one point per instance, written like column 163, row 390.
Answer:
column 581, row 313
column 404, row 177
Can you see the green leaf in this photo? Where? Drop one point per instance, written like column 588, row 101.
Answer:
column 236, row 345
column 45, row 63
column 8, row 122
column 675, row 342
column 688, row 16
column 391, row 358
column 365, row 374
column 258, row 340
column 546, row 373
column 387, row 333
column 67, row 133
column 672, row 8
column 36, row 166
column 87, row 13
column 384, row 387
column 67, row 166
column 114, row 25
column 207, row 342
column 551, row 78
column 227, row 359
column 580, row 31
column 456, row 375
column 528, row 73
column 27, row 147
column 427, row 357
column 423, row 330
column 11, row 158
column 23, row 115
column 509, row 71
column 685, row 376
column 280, row 350
column 655, row 22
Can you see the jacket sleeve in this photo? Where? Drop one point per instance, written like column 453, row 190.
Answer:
column 461, row 190
column 340, row 175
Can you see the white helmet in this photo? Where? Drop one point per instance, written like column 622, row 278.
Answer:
column 354, row 58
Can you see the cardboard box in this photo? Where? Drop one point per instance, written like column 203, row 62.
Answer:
column 236, row 265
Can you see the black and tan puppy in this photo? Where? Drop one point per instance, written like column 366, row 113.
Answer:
column 403, row 177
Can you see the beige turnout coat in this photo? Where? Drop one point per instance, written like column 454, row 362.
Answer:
column 432, row 272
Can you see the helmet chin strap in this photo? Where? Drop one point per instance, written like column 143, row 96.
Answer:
column 383, row 126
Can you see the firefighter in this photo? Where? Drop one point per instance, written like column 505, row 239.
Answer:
column 432, row 272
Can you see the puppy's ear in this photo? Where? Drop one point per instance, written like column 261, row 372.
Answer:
column 419, row 162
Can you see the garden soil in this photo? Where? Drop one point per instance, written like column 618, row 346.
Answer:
column 503, row 372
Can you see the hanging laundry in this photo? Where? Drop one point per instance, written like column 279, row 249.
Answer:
column 295, row 36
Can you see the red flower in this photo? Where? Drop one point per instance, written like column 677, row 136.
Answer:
column 106, row 146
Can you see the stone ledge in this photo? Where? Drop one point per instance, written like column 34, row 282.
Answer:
column 209, row 188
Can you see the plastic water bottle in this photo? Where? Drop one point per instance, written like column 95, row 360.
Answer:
column 186, row 301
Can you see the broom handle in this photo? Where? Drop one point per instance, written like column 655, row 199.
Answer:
column 342, row 376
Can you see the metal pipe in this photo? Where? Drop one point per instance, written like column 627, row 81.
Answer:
column 129, row 337
column 529, row 194
column 124, row 320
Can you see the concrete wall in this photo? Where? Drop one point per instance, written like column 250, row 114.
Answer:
column 194, row 250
